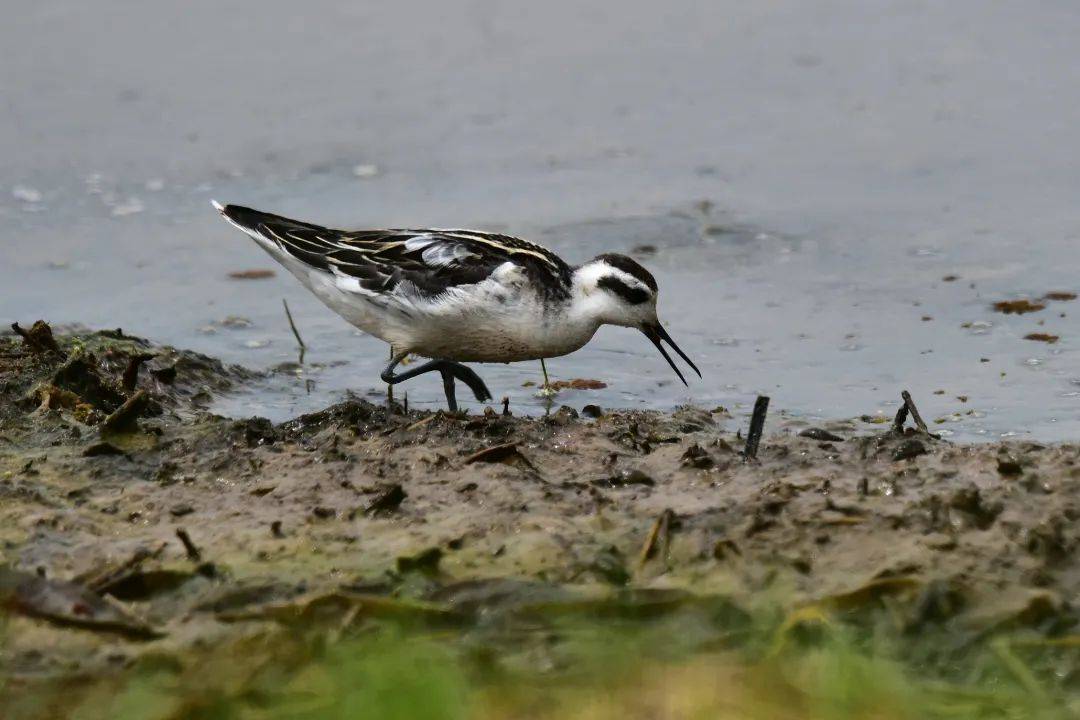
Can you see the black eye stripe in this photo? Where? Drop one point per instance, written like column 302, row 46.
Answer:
column 632, row 295
column 630, row 267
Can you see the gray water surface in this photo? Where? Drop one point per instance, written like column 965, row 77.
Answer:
column 807, row 174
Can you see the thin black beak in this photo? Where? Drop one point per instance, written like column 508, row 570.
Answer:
column 656, row 333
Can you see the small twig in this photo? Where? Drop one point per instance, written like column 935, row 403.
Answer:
column 102, row 580
column 189, row 547
column 405, row 403
column 39, row 338
column 757, row 427
column 659, row 534
column 131, row 372
column 127, row 413
column 506, row 406
column 295, row 332
column 900, row 419
column 910, row 405
column 495, row 453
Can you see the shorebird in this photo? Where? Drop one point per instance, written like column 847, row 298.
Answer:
column 460, row 295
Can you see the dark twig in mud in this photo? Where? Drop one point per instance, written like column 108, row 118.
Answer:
column 295, row 332
column 507, row 453
column 908, row 408
column 658, row 539
column 39, row 338
column 109, row 575
column 496, row 453
column 127, row 413
column 757, row 427
column 189, row 547
column 900, row 419
column 910, row 405
column 131, row 372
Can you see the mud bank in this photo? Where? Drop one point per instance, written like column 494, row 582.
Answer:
column 136, row 525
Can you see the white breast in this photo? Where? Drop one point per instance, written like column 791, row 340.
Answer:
column 502, row 319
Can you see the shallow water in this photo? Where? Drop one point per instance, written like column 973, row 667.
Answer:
column 852, row 155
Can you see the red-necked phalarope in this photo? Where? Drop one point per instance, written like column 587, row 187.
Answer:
column 460, row 295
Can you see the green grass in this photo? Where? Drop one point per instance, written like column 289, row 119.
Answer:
column 692, row 664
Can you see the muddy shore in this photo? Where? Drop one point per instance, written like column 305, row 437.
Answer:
column 135, row 524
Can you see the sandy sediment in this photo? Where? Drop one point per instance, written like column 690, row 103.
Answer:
column 132, row 520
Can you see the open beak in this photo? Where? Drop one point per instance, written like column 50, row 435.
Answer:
column 657, row 333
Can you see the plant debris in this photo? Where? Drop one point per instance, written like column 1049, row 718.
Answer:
column 66, row 603
column 1018, row 307
column 125, row 415
column 578, row 384
column 820, row 434
column 39, row 338
column 1042, row 337
column 757, row 427
column 256, row 274
column 388, row 500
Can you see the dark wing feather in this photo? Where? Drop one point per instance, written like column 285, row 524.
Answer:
column 430, row 261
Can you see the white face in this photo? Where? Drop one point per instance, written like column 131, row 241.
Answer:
column 606, row 293
column 615, row 297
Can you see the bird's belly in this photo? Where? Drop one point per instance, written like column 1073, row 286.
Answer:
column 498, row 336
column 477, row 327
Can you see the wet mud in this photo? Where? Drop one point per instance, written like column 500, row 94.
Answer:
column 134, row 524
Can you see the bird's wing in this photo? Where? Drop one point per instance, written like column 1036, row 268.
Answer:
column 419, row 262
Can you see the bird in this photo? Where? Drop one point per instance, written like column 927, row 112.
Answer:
column 458, row 296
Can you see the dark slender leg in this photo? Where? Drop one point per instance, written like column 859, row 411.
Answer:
column 450, row 371
column 451, row 392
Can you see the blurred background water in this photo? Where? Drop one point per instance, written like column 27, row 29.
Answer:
column 802, row 177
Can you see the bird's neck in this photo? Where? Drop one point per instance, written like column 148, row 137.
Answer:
column 587, row 306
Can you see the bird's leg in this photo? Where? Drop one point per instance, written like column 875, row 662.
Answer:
column 448, row 388
column 546, row 391
column 450, row 371
column 390, row 386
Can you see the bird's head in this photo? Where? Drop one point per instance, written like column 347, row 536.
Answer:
column 617, row 290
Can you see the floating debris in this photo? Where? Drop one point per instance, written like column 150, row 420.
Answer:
column 256, row 274
column 1043, row 337
column 1060, row 296
column 578, row 384
column 1018, row 307
column 235, row 322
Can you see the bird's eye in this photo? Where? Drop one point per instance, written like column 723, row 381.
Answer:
column 632, row 295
